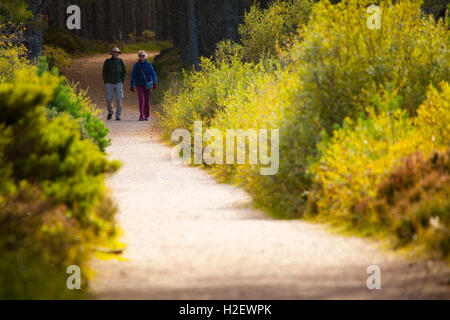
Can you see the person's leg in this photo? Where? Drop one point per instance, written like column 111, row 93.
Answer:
column 141, row 95
column 119, row 98
column 147, row 104
column 109, row 99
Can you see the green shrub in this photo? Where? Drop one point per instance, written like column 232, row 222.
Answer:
column 359, row 155
column 56, row 57
column 14, row 10
column 356, row 184
column 53, row 201
column 69, row 98
column 146, row 45
column 149, row 35
column 26, row 278
column 41, row 242
column 50, row 152
column 146, row 35
column 74, row 45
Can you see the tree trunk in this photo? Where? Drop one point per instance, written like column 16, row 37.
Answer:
column 182, row 26
column 231, row 17
column 140, row 18
column 109, row 32
column 35, row 31
column 193, row 36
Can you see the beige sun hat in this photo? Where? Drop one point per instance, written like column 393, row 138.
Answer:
column 116, row 50
column 142, row 52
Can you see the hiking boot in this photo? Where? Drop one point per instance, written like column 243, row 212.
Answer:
column 141, row 119
column 109, row 117
column 145, row 119
column 118, row 119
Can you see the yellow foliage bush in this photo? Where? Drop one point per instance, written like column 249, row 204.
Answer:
column 54, row 205
column 13, row 53
column 265, row 29
column 359, row 155
column 56, row 57
column 433, row 120
column 362, row 154
column 342, row 64
column 253, row 107
column 204, row 93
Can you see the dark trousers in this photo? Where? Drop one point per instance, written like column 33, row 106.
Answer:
column 144, row 101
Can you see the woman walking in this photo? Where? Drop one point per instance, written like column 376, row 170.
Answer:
column 144, row 78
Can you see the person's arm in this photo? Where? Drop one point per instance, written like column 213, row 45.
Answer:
column 105, row 71
column 153, row 73
column 124, row 71
column 133, row 77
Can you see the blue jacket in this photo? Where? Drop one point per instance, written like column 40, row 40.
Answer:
column 143, row 72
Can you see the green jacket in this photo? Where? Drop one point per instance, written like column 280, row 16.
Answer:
column 114, row 71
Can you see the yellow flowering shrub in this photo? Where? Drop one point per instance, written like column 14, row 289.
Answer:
column 13, row 52
column 203, row 94
column 433, row 120
column 265, row 29
column 342, row 64
column 363, row 153
column 359, row 155
column 254, row 107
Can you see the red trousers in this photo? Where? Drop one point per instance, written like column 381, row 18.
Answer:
column 144, row 101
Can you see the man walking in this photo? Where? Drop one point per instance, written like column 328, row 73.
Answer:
column 114, row 75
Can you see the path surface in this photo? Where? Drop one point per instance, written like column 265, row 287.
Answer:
column 189, row 237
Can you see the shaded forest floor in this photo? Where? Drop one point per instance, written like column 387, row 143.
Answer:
column 189, row 237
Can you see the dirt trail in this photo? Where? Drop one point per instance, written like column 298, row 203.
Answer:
column 189, row 237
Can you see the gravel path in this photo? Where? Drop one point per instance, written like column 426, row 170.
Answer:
column 189, row 237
